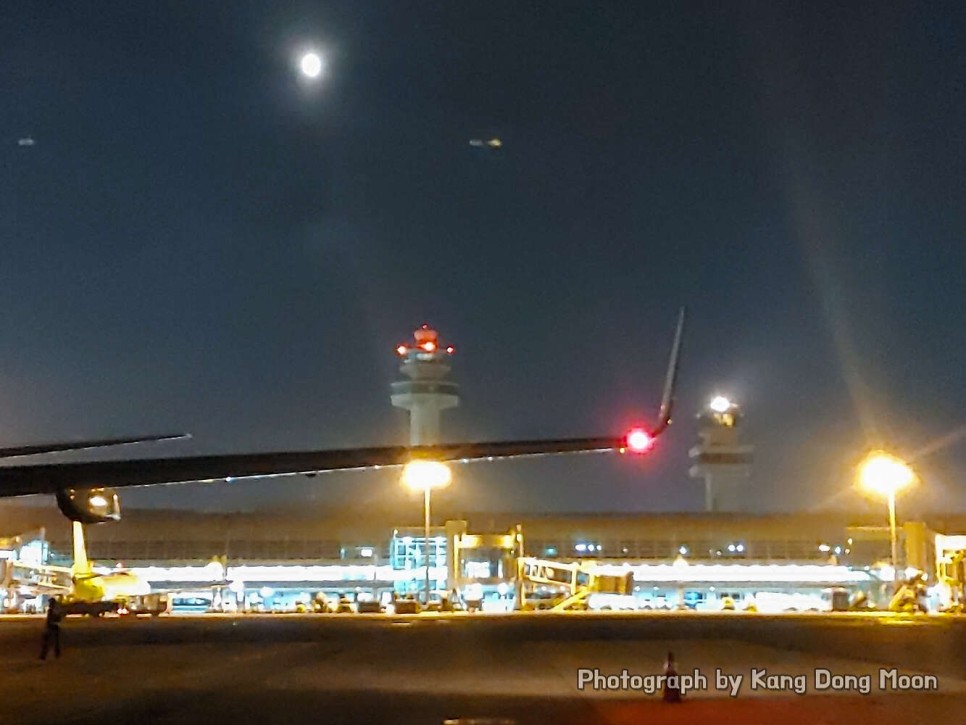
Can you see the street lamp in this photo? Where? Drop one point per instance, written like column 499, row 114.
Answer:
column 425, row 476
column 886, row 475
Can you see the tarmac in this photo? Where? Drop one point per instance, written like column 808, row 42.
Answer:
column 487, row 669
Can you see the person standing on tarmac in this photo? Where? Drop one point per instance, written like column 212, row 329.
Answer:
column 52, row 629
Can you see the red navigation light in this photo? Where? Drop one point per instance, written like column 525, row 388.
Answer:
column 638, row 440
column 451, row 349
column 402, row 350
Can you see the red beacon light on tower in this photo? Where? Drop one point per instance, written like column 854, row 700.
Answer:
column 637, row 440
column 426, row 340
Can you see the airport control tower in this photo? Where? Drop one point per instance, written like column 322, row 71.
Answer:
column 426, row 392
column 721, row 458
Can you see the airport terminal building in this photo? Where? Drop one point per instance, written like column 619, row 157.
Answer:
column 273, row 560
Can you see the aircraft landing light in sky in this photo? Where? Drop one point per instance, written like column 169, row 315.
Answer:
column 489, row 143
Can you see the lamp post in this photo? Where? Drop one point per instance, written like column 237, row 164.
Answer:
column 425, row 476
column 886, row 475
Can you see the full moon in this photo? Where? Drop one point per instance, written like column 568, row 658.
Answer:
column 311, row 65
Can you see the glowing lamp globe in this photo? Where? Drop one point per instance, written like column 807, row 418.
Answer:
column 884, row 474
column 423, row 475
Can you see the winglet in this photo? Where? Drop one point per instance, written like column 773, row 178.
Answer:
column 670, row 380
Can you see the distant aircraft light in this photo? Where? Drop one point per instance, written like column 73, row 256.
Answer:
column 401, row 350
column 720, row 404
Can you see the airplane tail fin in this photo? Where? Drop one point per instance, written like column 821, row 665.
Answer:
column 670, row 379
column 81, row 564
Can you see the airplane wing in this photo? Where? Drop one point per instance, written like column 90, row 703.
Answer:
column 55, row 477
column 52, row 477
column 32, row 450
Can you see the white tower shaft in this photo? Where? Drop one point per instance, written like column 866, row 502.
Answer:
column 426, row 392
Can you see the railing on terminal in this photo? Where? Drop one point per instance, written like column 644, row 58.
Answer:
column 303, row 550
column 238, row 550
column 660, row 549
column 332, row 550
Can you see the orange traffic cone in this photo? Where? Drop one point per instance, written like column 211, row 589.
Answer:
column 672, row 689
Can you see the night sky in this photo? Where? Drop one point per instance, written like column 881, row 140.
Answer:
column 201, row 240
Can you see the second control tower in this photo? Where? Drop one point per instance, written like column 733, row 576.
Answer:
column 426, row 392
column 722, row 458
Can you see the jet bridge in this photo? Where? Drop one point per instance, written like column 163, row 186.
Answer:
column 571, row 582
